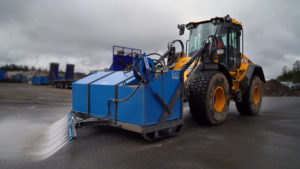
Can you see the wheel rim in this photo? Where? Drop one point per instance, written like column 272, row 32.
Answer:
column 219, row 99
column 256, row 95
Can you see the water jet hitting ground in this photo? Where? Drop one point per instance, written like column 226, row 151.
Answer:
column 55, row 137
column 40, row 143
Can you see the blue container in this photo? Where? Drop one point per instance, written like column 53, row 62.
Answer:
column 39, row 80
column 2, row 74
column 91, row 96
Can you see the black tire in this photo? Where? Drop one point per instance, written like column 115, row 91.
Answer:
column 202, row 89
column 249, row 105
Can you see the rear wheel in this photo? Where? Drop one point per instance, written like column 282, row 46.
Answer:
column 209, row 95
column 252, row 99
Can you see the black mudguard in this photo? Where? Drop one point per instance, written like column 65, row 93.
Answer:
column 214, row 66
column 253, row 69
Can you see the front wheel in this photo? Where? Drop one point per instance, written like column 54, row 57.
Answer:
column 209, row 97
column 252, row 99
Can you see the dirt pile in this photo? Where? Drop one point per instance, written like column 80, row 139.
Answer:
column 275, row 88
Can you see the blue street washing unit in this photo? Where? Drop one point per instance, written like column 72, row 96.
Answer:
column 147, row 98
column 151, row 106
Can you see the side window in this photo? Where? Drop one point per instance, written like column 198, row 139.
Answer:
column 224, row 39
column 233, row 39
column 234, row 48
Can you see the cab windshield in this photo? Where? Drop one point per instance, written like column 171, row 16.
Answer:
column 201, row 33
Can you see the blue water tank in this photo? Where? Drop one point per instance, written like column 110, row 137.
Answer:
column 91, row 95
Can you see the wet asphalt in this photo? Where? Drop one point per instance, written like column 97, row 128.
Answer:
column 269, row 140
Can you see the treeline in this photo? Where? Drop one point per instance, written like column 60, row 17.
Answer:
column 13, row 67
column 290, row 75
column 24, row 68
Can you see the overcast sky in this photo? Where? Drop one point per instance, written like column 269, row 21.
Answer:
column 82, row 32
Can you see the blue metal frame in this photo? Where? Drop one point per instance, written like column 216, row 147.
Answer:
column 122, row 61
column 123, row 49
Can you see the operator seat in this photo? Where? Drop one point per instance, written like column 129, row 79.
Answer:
column 220, row 45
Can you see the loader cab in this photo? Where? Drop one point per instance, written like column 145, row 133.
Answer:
column 229, row 39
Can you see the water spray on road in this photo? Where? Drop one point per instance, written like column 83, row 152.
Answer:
column 25, row 139
column 55, row 137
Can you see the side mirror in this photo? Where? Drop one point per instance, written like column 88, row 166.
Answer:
column 181, row 29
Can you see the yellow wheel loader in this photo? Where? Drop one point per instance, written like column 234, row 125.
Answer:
column 222, row 73
column 216, row 70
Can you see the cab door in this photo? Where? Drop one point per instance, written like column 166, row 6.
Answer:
column 234, row 53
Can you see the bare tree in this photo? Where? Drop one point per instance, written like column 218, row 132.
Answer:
column 284, row 70
column 296, row 66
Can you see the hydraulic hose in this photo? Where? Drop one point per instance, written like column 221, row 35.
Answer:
column 180, row 42
column 131, row 94
column 162, row 62
column 154, row 54
column 170, row 44
column 194, row 57
column 200, row 52
column 126, row 98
